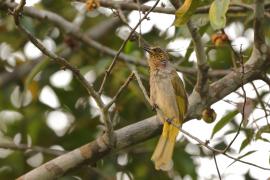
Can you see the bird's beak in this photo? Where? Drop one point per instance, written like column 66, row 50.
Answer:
column 147, row 49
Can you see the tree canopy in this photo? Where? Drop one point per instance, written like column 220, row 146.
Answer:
column 74, row 88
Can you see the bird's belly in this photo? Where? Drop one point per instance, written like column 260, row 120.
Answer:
column 165, row 98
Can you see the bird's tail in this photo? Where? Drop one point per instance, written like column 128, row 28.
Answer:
column 162, row 155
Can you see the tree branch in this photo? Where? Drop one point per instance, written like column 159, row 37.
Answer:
column 120, row 90
column 95, row 150
column 146, row 129
column 216, row 164
column 202, row 65
column 62, row 62
column 259, row 38
column 32, row 148
column 234, row 8
column 108, row 71
column 69, row 28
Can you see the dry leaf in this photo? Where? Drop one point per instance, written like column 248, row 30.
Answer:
column 249, row 107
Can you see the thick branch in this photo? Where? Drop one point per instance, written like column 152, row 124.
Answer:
column 259, row 38
column 95, row 150
column 202, row 65
column 145, row 129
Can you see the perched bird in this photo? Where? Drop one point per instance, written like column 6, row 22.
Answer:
column 168, row 95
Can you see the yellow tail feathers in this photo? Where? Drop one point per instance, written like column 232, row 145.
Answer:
column 162, row 155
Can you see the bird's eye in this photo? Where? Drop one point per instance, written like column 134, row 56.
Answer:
column 163, row 62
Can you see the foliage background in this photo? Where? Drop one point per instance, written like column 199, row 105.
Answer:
column 29, row 124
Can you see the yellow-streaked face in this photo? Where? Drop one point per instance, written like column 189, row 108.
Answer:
column 157, row 54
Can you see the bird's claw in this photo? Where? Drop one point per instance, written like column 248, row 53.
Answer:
column 154, row 107
column 169, row 120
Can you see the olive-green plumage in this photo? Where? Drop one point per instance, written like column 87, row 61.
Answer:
column 168, row 94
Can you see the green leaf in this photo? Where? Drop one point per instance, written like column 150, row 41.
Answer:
column 183, row 14
column 223, row 121
column 244, row 155
column 249, row 136
column 217, row 13
column 35, row 70
column 264, row 129
column 244, row 143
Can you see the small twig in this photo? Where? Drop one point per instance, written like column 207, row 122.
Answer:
column 215, row 160
column 202, row 143
column 108, row 71
column 32, row 148
column 265, row 79
column 138, row 78
column 261, row 102
column 120, row 90
column 140, row 16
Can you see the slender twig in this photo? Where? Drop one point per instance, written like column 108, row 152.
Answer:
column 206, row 144
column 32, row 148
column 120, row 90
column 138, row 78
column 140, row 16
column 261, row 102
column 215, row 160
column 265, row 79
column 108, row 71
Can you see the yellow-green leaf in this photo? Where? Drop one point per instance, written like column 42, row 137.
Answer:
column 223, row 121
column 240, row 157
column 183, row 14
column 217, row 13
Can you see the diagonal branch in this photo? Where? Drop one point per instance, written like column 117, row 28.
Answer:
column 65, row 64
column 61, row 61
column 95, row 150
column 216, row 164
column 120, row 90
column 108, row 71
column 146, row 129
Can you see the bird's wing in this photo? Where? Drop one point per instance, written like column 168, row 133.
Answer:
column 181, row 96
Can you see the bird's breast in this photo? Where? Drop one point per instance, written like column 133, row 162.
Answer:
column 163, row 95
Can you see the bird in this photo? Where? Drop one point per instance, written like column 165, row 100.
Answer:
column 168, row 96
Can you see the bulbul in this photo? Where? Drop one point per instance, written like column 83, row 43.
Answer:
column 167, row 93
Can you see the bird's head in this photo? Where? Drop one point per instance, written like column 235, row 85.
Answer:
column 158, row 57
